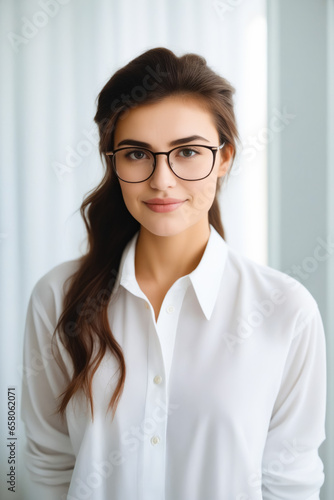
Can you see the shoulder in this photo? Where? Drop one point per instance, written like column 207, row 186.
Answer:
column 262, row 284
column 49, row 290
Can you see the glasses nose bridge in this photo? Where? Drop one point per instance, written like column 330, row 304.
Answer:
column 167, row 153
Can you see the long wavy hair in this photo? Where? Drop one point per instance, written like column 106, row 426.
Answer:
column 83, row 326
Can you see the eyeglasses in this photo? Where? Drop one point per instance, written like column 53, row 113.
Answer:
column 190, row 162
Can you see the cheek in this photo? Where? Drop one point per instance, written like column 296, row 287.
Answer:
column 204, row 195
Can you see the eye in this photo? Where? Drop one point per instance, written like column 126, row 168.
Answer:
column 137, row 154
column 187, row 153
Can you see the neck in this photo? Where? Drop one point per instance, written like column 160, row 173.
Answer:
column 164, row 259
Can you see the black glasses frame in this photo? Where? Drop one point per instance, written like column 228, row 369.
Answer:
column 213, row 149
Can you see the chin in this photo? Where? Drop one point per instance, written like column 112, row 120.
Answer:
column 164, row 228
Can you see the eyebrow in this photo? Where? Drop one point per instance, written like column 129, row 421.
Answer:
column 133, row 142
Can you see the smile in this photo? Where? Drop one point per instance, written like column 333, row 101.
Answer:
column 162, row 205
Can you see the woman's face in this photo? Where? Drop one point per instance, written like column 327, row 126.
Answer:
column 159, row 125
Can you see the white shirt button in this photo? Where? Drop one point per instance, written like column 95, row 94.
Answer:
column 170, row 309
column 155, row 440
column 157, row 379
column 147, row 305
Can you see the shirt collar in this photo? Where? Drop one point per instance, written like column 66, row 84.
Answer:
column 205, row 279
column 126, row 275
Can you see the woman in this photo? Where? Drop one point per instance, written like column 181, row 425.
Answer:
column 179, row 369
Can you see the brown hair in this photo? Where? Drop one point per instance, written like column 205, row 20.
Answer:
column 83, row 325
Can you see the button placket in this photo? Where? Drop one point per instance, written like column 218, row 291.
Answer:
column 161, row 337
column 154, row 446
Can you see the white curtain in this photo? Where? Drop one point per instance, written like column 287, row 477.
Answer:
column 55, row 57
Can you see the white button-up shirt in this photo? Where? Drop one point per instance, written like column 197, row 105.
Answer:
column 224, row 397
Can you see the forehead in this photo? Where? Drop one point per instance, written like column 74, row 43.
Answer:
column 171, row 118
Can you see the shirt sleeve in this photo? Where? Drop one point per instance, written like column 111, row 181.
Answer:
column 291, row 467
column 48, row 452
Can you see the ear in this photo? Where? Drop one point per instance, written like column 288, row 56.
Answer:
column 225, row 158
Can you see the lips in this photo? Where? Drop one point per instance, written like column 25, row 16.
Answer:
column 163, row 201
column 163, row 204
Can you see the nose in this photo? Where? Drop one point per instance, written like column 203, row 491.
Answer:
column 162, row 177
